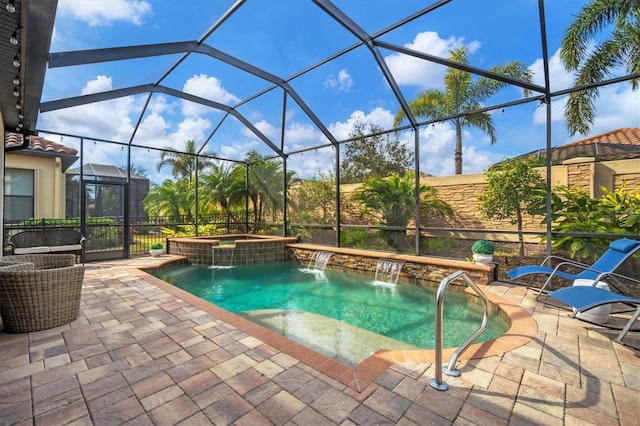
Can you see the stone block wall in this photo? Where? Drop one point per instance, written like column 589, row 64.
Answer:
column 422, row 269
column 461, row 193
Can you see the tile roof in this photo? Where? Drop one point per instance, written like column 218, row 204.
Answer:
column 617, row 144
column 37, row 144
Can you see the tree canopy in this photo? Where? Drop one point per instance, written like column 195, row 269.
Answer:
column 510, row 192
column 373, row 154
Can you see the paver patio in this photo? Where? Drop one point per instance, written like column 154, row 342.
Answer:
column 141, row 355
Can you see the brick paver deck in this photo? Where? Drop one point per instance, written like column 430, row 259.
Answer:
column 139, row 354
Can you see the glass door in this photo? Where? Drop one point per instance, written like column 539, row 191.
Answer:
column 105, row 220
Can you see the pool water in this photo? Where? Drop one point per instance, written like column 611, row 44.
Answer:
column 344, row 315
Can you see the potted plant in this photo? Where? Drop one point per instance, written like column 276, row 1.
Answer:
column 155, row 249
column 483, row 252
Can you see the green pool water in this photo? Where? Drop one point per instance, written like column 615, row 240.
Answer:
column 343, row 315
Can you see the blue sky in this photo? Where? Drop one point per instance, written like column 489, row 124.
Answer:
column 284, row 37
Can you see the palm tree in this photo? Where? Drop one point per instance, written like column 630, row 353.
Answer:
column 172, row 198
column 593, row 65
column 184, row 164
column 265, row 185
column 224, row 187
column 393, row 200
column 462, row 93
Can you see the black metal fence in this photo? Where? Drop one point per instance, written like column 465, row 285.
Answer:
column 105, row 234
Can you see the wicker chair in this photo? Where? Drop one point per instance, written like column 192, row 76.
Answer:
column 38, row 292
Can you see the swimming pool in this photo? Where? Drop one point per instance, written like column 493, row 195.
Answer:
column 346, row 316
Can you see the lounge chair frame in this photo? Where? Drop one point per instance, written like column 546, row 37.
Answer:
column 582, row 299
column 586, row 272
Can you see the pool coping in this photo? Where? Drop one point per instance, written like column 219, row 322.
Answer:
column 523, row 329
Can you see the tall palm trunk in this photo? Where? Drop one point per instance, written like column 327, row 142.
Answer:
column 458, row 153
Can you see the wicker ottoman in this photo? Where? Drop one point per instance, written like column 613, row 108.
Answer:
column 38, row 292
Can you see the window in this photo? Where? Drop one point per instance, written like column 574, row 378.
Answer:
column 18, row 194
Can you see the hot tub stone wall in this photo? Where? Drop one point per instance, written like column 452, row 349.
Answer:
column 425, row 270
column 196, row 250
column 261, row 251
column 248, row 250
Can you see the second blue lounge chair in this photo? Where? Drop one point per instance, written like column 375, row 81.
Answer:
column 618, row 252
column 583, row 298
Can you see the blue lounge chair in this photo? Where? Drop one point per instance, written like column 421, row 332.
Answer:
column 583, row 298
column 618, row 252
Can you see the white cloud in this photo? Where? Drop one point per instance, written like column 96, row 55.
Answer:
column 113, row 120
column 266, row 128
column 102, row 83
column 343, row 83
column 152, row 129
column 559, row 77
column 617, row 106
column 379, row 116
column 409, row 70
column 437, row 147
column 208, row 88
column 296, row 134
column 160, row 104
column 193, row 128
column 238, row 150
column 557, row 111
column 299, row 132
column 104, row 120
column 103, row 13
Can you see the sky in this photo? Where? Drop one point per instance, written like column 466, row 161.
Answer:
column 283, row 38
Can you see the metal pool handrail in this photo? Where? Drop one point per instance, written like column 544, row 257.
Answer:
column 449, row 369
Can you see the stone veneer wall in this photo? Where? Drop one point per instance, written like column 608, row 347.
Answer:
column 423, row 269
column 461, row 193
column 248, row 249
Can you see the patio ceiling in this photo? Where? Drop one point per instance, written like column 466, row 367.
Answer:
column 32, row 24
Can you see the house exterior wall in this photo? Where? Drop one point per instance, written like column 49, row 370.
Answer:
column 49, row 183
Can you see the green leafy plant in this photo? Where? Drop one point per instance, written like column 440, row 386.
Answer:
column 392, row 200
column 573, row 211
column 509, row 193
column 483, row 247
column 156, row 246
column 190, row 230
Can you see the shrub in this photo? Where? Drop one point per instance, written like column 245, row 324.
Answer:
column 483, row 247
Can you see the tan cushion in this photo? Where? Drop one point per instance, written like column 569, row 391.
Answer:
column 30, row 250
column 69, row 247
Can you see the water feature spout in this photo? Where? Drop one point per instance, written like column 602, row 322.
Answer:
column 388, row 271
column 319, row 260
column 222, row 252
